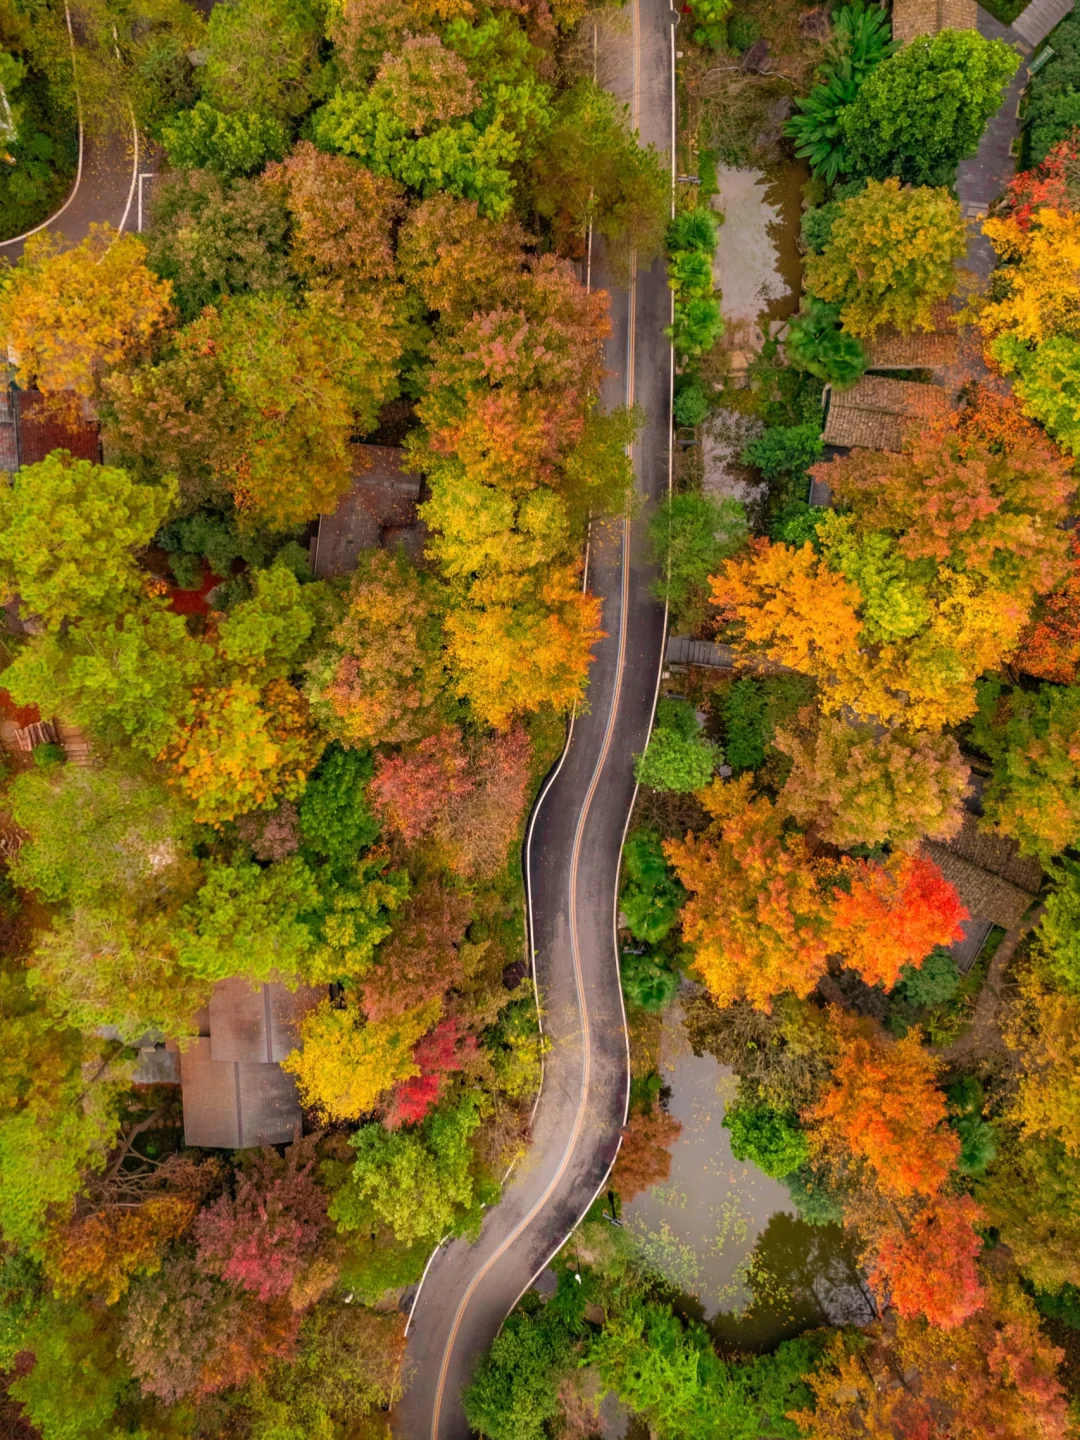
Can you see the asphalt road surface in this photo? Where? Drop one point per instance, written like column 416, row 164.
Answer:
column 573, row 849
column 105, row 189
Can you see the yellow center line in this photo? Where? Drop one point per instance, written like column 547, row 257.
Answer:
column 575, row 861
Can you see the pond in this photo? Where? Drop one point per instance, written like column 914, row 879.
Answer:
column 758, row 266
column 726, row 1237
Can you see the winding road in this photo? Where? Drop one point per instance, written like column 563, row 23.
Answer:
column 105, row 188
column 572, row 851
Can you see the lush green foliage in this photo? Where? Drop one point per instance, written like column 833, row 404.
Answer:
column 678, row 757
column 650, row 896
column 772, row 1139
column 691, row 534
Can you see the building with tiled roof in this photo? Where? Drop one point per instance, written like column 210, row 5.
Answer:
column 876, row 411
column 928, row 17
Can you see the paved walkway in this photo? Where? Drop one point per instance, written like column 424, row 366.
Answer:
column 981, row 179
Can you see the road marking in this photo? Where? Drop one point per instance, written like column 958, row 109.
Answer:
column 586, row 1059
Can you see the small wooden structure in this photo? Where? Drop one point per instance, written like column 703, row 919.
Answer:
column 235, row 1092
column 928, row 17
column 378, row 510
column 876, row 411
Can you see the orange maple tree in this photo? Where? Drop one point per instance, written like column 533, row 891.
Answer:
column 1050, row 648
column 884, row 1111
column 758, row 920
column 928, row 1266
column 891, row 915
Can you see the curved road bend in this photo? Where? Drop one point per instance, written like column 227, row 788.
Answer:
column 104, row 190
column 573, row 857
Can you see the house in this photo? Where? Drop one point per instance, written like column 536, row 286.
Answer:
column 235, row 1093
column 877, row 410
column 30, row 428
column 921, row 350
column 380, row 509
column 928, row 17
column 996, row 883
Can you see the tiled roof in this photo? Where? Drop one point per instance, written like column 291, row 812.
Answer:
column 922, row 350
column 875, row 412
column 380, row 508
column 927, row 17
column 986, row 895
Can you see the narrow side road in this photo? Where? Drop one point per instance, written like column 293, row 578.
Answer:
column 572, row 854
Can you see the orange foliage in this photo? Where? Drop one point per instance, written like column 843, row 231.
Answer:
column 790, row 605
column 242, row 748
column 984, row 490
column 1050, row 648
column 645, row 1154
column 757, row 919
column 893, row 915
column 884, row 1111
column 930, row 1269
column 99, row 1255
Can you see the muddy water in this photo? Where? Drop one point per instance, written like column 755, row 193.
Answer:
column 758, row 267
column 724, row 1236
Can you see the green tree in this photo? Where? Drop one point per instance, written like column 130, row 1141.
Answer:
column 648, row 981
column 245, row 921
column 336, row 820
column 420, row 1182
column 204, row 138
column 785, row 450
column 771, row 1139
column 650, row 897
column 592, row 170
column 67, row 532
column 889, row 259
column 125, row 679
column 932, row 983
column 269, row 633
column 1034, row 792
column 1059, row 929
column 76, row 1383
column 923, row 110
column 262, row 57
column 213, row 237
column 516, row 1387
column 691, row 535
column 105, row 832
column 678, row 757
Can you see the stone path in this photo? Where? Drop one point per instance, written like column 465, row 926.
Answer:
column 981, row 179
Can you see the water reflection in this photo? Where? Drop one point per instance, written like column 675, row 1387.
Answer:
column 758, row 266
column 724, row 1237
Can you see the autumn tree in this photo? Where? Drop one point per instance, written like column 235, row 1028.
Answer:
column 890, row 256
column 423, row 958
column 993, row 1375
column 344, row 1064
column 758, row 918
column 262, row 56
column 267, row 1236
column 1031, row 1197
column 644, row 1157
column 187, row 1334
column 247, row 921
column 73, row 315
column 441, row 1053
column 859, row 786
column 211, row 237
column 883, row 1111
column 1050, row 648
column 930, row 1269
column 1031, row 737
column 68, row 530
column 457, row 260
column 1043, row 1031
column 343, row 217
column 890, row 915
column 983, row 491
column 241, row 747
column 379, row 673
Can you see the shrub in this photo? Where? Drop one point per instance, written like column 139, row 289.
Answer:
column 648, row 981
column 771, row 1139
column 691, row 403
column 815, row 343
column 207, row 139
column 743, row 31
column 677, row 757
column 709, row 17
column 691, row 535
column 933, row 983
column 785, row 450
